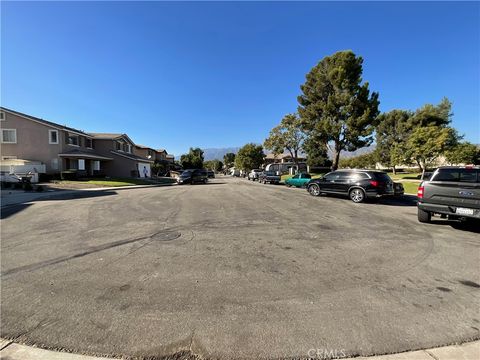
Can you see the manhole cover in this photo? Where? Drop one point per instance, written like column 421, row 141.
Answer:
column 166, row 236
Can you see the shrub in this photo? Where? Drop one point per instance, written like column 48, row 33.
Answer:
column 68, row 175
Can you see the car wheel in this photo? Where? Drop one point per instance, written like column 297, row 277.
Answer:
column 314, row 190
column 424, row 216
column 288, row 185
column 357, row 195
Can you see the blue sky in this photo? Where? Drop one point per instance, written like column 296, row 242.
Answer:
column 220, row 74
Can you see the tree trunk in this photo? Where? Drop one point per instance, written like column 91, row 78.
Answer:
column 394, row 170
column 336, row 158
column 421, row 165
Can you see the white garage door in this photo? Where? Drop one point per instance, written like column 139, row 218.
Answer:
column 144, row 169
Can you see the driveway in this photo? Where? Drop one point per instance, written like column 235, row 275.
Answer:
column 235, row 269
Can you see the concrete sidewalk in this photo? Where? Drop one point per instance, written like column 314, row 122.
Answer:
column 467, row 351
column 13, row 197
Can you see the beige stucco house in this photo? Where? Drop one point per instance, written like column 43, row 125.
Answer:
column 58, row 147
column 61, row 148
column 125, row 162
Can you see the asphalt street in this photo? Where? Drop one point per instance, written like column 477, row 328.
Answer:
column 234, row 269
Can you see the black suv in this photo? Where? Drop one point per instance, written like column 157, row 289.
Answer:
column 193, row 176
column 452, row 191
column 358, row 185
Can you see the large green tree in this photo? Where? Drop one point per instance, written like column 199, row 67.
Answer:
column 286, row 136
column 317, row 152
column 192, row 160
column 229, row 160
column 426, row 144
column 337, row 106
column 393, row 129
column 249, row 157
column 430, row 134
column 363, row 161
column 464, row 153
column 215, row 165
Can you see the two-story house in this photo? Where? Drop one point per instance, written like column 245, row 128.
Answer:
column 145, row 152
column 57, row 146
column 125, row 162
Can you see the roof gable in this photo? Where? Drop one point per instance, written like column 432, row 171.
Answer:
column 45, row 122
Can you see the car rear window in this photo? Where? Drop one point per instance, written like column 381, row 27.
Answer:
column 359, row 176
column 457, row 175
column 382, row 177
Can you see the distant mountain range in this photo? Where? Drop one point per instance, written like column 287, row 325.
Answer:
column 218, row 153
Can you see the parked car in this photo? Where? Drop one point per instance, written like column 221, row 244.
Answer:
column 253, row 175
column 451, row 191
column 193, row 176
column 9, row 178
column 211, row 174
column 269, row 177
column 358, row 185
column 299, row 180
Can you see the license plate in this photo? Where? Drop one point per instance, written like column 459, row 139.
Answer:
column 464, row 211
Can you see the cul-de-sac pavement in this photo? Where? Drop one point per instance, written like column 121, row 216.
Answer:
column 234, row 269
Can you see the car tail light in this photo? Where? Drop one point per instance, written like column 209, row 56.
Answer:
column 374, row 183
column 420, row 192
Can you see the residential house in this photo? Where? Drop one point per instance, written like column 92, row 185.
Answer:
column 58, row 147
column 281, row 158
column 125, row 162
column 170, row 158
column 161, row 155
column 145, row 152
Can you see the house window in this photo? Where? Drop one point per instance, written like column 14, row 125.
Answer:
column 54, row 164
column 72, row 140
column 118, row 145
column 81, row 164
column 53, row 136
column 2, row 115
column 96, row 165
column 72, row 164
column 9, row 136
column 89, row 143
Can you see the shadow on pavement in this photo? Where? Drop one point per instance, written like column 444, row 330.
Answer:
column 405, row 200
column 469, row 226
column 9, row 210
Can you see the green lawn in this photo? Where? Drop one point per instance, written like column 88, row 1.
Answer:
column 116, row 182
column 408, row 176
column 410, row 187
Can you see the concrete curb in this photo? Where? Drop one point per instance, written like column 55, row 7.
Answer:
column 467, row 351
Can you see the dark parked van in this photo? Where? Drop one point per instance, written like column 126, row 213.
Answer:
column 193, row 176
column 358, row 185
